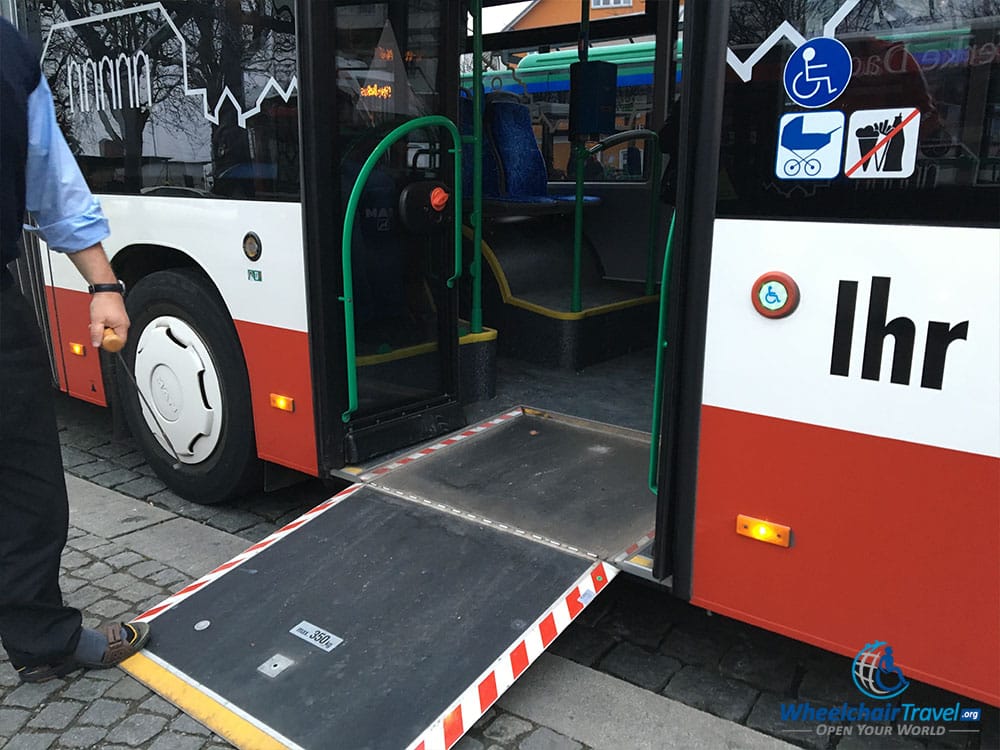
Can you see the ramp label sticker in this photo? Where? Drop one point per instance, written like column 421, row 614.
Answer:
column 318, row 637
column 882, row 143
column 810, row 145
column 817, row 72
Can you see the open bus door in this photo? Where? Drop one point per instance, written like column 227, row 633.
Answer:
column 385, row 320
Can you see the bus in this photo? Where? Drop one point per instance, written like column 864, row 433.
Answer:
column 779, row 397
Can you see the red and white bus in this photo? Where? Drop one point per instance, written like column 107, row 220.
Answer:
column 826, row 444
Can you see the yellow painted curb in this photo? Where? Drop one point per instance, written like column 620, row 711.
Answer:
column 199, row 706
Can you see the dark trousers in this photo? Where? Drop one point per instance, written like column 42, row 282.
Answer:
column 35, row 627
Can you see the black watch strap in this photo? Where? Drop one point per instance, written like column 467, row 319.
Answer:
column 118, row 286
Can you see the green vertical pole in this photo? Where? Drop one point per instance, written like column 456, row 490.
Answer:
column 476, row 266
column 661, row 345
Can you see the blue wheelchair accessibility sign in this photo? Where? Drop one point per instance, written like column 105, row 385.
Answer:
column 818, row 72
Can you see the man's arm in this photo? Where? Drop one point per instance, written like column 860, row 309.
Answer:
column 69, row 217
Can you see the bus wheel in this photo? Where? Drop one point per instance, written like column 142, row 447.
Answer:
column 189, row 406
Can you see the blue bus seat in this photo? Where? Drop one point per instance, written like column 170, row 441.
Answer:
column 515, row 180
column 523, row 175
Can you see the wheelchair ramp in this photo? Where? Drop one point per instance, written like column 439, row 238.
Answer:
column 370, row 622
column 575, row 483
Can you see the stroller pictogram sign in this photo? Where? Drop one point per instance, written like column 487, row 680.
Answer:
column 810, row 145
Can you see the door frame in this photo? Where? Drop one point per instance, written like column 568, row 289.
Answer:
column 706, row 36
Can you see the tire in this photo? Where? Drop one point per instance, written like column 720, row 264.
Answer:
column 186, row 359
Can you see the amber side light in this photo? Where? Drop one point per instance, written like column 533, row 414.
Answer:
column 764, row 531
column 284, row 403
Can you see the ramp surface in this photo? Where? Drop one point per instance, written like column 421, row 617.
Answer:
column 371, row 622
column 577, row 483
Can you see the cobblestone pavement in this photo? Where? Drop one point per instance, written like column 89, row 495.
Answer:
column 633, row 632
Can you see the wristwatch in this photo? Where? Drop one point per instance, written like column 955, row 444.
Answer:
column 118, row 286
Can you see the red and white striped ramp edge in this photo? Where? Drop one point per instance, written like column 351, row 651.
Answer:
column 456, row 720
column 380, row 471
column 633, row 548
column 248, row 553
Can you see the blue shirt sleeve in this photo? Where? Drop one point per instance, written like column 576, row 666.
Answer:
column 69, row 217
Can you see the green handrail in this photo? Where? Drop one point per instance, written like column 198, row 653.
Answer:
column 661, row 345
column 654, row 205
column 345, row 243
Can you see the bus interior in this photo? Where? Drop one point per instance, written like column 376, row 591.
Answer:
column 573, row 341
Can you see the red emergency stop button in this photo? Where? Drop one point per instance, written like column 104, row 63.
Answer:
column 439, row 198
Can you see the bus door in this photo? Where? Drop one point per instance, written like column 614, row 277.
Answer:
column 832, row 444
column 380, row 206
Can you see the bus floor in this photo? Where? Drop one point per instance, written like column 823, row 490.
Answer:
column 617, row 392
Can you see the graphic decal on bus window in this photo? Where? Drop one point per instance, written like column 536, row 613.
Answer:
column 882, row 143
column 785, row 31
column 810, row 145
column 85, row 82
column 908, row 60
column 98, row 82
column 194, row 101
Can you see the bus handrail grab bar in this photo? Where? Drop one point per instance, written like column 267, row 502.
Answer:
column 427, row 121
column 625, row 135
column 661, row 345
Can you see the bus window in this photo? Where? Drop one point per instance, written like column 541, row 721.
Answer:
column 386, row 79
column 198, row 104
column 541, row 80
column 944, row 63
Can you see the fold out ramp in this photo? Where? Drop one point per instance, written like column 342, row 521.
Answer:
column 396, row 613
column 372, row 621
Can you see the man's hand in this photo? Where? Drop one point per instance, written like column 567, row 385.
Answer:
column 107, row 310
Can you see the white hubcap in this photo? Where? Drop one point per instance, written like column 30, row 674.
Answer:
column 179, row 382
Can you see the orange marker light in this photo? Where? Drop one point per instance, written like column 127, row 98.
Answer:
column 78, row 349
column 285, row 403
column 439, row 198
column 764, row 531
